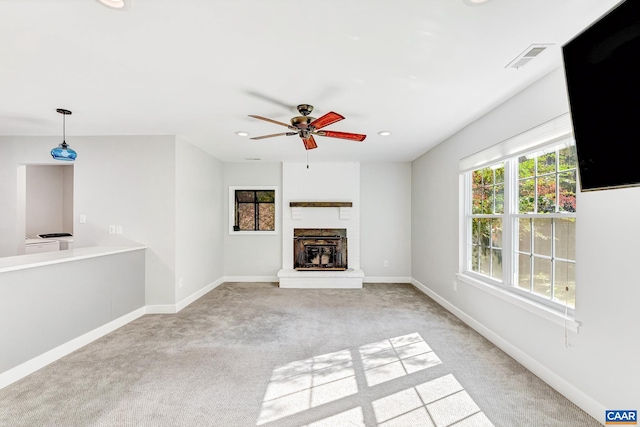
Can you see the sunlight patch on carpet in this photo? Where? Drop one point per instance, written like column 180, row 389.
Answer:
column 441, row 402
column 305, row 384
column 396, row 357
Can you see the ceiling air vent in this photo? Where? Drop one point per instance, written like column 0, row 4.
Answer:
column 529, row 53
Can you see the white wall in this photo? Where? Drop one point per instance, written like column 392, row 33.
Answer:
column 596, row 370
column 67, row 199
column 385, row 221
column 251, row 256
column 130, row 181
column 49, row 205
column 200, row 220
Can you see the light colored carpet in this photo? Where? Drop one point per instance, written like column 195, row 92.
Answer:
column 252, row 354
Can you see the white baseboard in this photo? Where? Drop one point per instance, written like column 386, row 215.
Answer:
column 39, row 362
column 175, row 308
column 260, row 279
column 370, row 279
column 568, row 390
column 194, row 296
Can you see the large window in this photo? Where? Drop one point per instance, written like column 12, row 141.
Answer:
column 252, row 210
column 520, row 224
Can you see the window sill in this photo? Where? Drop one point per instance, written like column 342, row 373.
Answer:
column 531, row 306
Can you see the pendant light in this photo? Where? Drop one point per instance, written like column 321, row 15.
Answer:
column 63, row 151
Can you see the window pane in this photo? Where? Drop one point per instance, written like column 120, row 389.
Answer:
column 542, row 237
column 526, row 195
column 484, row 261
column 476, row 178
column 496, row 233
column 547, row 194
column 268, row 196
column 478, row 194
column 524, row 272
column 484, row 232
column 499, row 171
column 267, row 216
column 565, row 238
column 246, row 213
column 487, row 176
column 496, row 264
column 567, row 202
column 526, row 167
column 245, row 196
column 567, row 158
column 487, row 203
column 524, row 233
column 547, row 163
column 475, row 258
column 542, row 277
column 476, row 232
column 499, row 198
column 565, row 277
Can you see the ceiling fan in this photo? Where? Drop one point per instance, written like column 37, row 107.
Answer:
column 306, row 126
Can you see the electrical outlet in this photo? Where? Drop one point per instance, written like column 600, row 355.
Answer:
column 118, row 229
column 83, row 219
column 455, row 286
column 385, row 263
column 112, row 229
column 181, row 282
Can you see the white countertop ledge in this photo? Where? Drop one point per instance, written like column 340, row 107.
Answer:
column 21, row 262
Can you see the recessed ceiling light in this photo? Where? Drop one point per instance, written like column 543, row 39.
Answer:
column 115, row 4
column 384, row 133
column 474, row 2
column 242, row 133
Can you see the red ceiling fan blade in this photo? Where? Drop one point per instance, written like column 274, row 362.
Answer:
column 274, row 121
column 343, row 135
column 326, row 120
column 309, row 143
column 275, row 134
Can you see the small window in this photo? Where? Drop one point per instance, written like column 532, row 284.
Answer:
column 252, row 210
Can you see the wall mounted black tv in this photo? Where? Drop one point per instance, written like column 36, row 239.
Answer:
column 602, row 71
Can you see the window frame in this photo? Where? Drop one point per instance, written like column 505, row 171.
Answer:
column 232, row 209
column 550, row 134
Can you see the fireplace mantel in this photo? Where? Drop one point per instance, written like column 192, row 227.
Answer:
column 321, row 204
column 343, row 207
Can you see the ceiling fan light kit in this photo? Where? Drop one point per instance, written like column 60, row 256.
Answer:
column 306, row 127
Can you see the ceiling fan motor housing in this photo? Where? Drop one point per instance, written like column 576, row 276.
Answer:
column 302, row 122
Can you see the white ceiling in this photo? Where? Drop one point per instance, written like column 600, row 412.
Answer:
column 422, row 69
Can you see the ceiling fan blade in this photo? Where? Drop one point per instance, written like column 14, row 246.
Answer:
column 273, row 121
column 326, row 120
column 309, row 143
column 343, row 135
column 275, row 134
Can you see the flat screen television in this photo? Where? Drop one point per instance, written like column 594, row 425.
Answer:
column 602, row 71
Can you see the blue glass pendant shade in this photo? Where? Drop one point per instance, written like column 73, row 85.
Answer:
column 63, row 152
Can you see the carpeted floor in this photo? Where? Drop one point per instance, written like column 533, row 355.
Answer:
column 252, row 354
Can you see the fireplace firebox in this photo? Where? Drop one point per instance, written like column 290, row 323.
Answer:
column 320, row 248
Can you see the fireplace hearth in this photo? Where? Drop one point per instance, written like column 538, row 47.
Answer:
column 320, row 249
